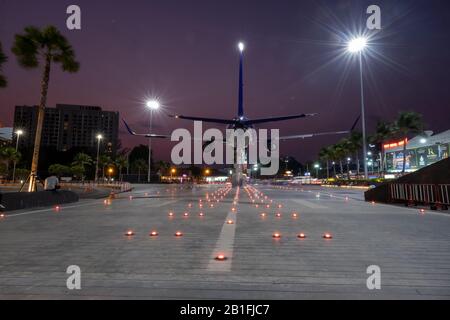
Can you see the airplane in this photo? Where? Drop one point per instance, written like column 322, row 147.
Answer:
column 241, row 121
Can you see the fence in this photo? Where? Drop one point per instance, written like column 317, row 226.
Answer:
column 429, row 194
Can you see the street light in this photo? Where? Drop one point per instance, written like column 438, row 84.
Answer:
column 153, row 105
column 317, row 166
column 99, row 138
column 357, row 46
column 18, row 134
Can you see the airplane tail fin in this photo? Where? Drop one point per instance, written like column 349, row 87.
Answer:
column 241, row 86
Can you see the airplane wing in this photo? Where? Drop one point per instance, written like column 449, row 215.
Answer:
column 147, row 135
column 211, row 120
column 274, row 119
column 310, row 135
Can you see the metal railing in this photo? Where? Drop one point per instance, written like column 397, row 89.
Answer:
column 428, row 194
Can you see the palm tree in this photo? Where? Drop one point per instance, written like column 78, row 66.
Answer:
column 342, row 151
column 8, row 155
column 3, row 59
column 121, row 162
column 49, row 45
column 103, row 162
column 408, row 122
column 325, row 155
column 354, row 146
column 82, row 160
column 140, row 164
column 383, row 132
column 332, row 154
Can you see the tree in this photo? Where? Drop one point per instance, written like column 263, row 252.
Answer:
column 121, row 162
column 325, row 155
column 49, row 45
column 104, row 161
column 355, row 143
column 3, row 59
column 59, row 170
column 383, row 132
column 78, row 171
column 81, row 160
column 8, row 155
column 140, row 164
column 408, row 122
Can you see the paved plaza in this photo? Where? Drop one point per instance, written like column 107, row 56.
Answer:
column 412, row 248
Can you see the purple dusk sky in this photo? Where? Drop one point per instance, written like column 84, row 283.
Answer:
column 185, row 53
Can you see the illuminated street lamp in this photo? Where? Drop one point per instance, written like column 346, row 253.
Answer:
column 18, row 134
column 99, row 139
column 317, row 166
column 152, row 105
column 110, row 172
column 357, row 46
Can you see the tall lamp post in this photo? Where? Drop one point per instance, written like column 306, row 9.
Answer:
column 357, row 46
column 317, row 166
column 18, row 134
column 153, row 105
column 99, row 139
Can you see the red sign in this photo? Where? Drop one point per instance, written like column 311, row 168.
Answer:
column 394, row 144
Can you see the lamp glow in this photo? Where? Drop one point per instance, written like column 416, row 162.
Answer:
column 241, row 46
column 357, row 44
column 153, row 104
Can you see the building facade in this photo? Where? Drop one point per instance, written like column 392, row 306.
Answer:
column 68, row 126
column 421, row 151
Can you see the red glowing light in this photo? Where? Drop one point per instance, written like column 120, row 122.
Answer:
column 233, row 209
column 280, row 206
column 154, row 234
column 301, row 236
column 201, row 214
column 294, row 215
column 190, row 205
column 129, row 233
column 276, row 235
column 230, row 222
column 171, row 214
column 186, row 214
column 327, row 236
column 422, row 210
column 212, row 205
column 221, row 257
column 2, row 215
column 178, row 234
column 57, row 208
column 278, row 215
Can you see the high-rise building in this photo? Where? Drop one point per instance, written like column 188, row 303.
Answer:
column 68, row 126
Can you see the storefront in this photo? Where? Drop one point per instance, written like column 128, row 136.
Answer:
column 421, row 151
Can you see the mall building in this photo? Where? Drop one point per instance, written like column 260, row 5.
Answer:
column 421, row 151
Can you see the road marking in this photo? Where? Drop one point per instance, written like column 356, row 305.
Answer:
column 162, row 204
column 225, row 244
column 50, row 209
column 310, row 204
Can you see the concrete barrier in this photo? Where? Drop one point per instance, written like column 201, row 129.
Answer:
column 24, row 200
